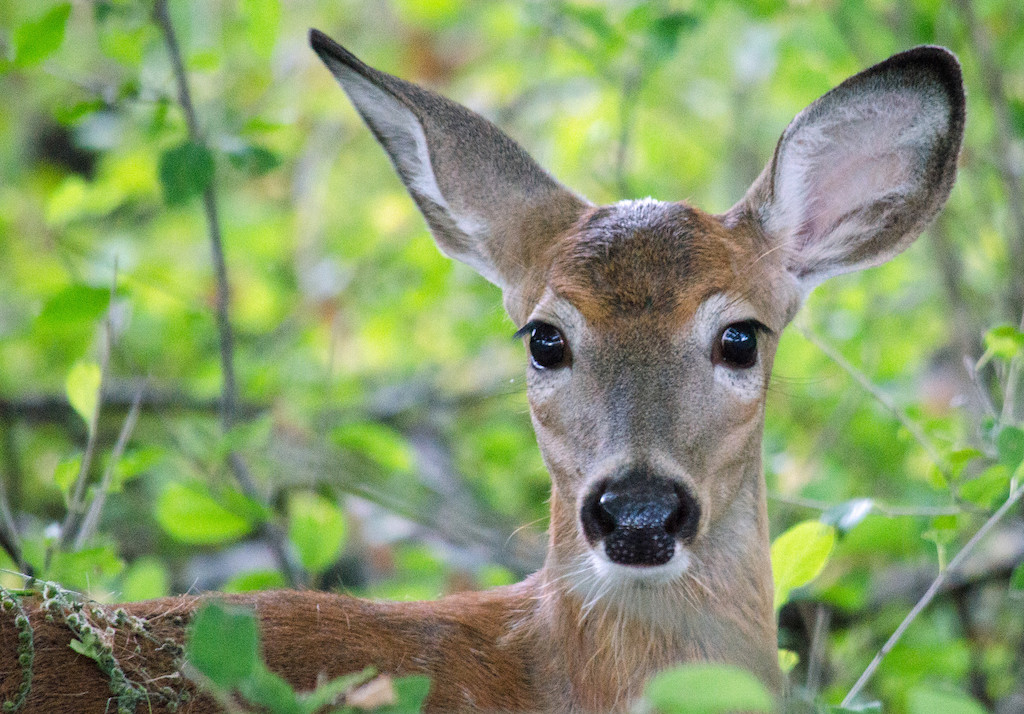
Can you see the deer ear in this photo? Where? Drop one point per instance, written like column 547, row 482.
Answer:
column 487, row 202
column 858, row 174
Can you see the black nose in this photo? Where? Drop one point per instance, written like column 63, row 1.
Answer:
column 639, row 517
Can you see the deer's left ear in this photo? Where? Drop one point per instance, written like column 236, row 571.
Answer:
column 858, row 174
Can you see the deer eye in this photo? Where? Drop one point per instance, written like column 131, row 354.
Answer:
column 548, row 348
column 737, row 345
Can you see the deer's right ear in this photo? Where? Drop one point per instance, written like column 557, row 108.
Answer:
column 858, row 174
column 487, row 202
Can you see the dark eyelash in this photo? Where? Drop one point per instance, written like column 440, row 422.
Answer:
column 526, row 329
column 760, row 327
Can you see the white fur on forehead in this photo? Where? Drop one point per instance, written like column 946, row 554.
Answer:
column 865, row 150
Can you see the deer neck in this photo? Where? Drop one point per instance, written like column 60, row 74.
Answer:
column 598, row 642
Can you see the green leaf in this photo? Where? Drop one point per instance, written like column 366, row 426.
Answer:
column 83, row 390
column 316, row 528
column 989, row 486
column 378, row 442
column 74, row 304
column 255, row 580
column 190, row 515
column 87, row 568
column 1010, row 443
column 929, row 700
column 145, row 579
column 1017, row 579
column 788, row 659
column 266, row 689
column 66, row 473
column 185, row 171
column 1005, row 342
column 799, row 555
column 410, row 692
column 37, row 39
column 223, row 643
column 707, row 689
column 253, row 159
column 263, row 18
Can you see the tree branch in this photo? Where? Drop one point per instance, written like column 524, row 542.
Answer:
column 229, row 390
column 933, row 589
column 92, row 516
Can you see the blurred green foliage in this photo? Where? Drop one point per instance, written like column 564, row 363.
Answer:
column 381, row 403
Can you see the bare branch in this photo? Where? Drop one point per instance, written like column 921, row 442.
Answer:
column 881, row 508
column 76, row 501
column 92, row 516
column 933, row 589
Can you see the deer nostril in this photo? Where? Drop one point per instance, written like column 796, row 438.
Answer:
column 683, row 521
column 605, row 511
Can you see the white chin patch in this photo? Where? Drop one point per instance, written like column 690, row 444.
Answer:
column 605, row 568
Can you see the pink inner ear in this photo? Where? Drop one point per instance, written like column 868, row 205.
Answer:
column 853, row 181
column 865, row 152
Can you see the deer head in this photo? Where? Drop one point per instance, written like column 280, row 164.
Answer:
column 651, row 327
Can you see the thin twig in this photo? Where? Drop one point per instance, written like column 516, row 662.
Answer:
column 819, row 646
column 76, row 502
column 92, row 516
column 883, row 509
column 229, row 390
column 933, row 589
column 884, row 399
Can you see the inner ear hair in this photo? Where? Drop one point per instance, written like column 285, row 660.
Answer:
column 859, row 174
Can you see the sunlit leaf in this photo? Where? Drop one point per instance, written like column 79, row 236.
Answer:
column 263, row 20
column 255, row 580
column 74, row 304
column 37, row 39
column 1011, row 446
column 189, row 514
column 145, row 579
column 1005, row 342
column 83, row 389
column 788, row 659
column 707, row 689
column 316, row 528
column 380, row 443
column 930, row 700
column 989, row 486
column 799, row 555
column 66, row 473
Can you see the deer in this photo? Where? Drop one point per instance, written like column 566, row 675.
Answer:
column 650, row 330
